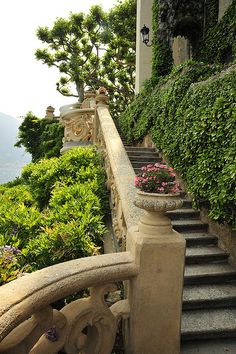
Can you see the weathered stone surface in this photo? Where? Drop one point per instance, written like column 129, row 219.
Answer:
column 25, row 296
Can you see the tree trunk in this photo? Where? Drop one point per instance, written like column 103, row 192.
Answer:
column 80, row 90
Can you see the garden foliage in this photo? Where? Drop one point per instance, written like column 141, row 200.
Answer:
column 92, row 50
column 218, row 44
column 54, row 213
column 42, row 138
column 191, row 116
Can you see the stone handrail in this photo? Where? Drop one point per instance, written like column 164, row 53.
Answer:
column 32, row 294
column 120, row 172
column 155, row 295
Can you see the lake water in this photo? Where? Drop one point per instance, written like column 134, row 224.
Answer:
column 8, row 174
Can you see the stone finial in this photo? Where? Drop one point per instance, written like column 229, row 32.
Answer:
column 50, row 112
column 102, row 90
column 102, row 97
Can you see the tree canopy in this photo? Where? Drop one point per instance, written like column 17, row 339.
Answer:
column 42, row 138
column 93, row 49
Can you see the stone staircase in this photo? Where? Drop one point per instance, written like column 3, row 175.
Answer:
column 209, row 294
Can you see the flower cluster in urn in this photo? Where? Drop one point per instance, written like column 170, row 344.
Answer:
column 157, row 178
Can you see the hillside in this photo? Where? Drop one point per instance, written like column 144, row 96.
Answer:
column 12, row 159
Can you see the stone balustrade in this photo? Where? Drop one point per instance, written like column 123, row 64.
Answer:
column 152, row 264
column 28, row 324
column 155, row 295
column 120, row 173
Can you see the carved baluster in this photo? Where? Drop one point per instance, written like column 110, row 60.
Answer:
column 54, row 337
column 92, row 326
column 24, row 336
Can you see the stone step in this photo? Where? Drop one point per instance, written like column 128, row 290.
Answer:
column 142, row 154
column 209, row 346
column 189, row 225
column 197, row 238
column 137, row 170
column 212, row 323
column 138, row 164
column 209, row 273
column 204, row 254
column 187, row 204
column 144, row 158
column 139, row 149
column 184, row 213
column 209, row 296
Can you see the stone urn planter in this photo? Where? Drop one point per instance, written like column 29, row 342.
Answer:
column 155, row 220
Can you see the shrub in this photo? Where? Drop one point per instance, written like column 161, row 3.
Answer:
column 57, row 215
column 10, row 264
column 77, row 165
column 19, row 216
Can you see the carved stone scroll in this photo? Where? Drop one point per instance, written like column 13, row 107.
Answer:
column 79, row 128
column 85, row 326
column 92, row 326
column 23, row 337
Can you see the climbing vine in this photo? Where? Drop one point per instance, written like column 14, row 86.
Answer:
column 219, row 42
column 161, row 54
column 210, row 14
column 191, row 115
column 191, row 112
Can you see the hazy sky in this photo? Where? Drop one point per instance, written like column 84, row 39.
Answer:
column 25, row 83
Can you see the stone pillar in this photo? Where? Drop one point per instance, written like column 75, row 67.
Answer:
column 181, row 50
column 89, row 99
column 143, row 53
column 223, row 6
column 155, row 296
column 101, row 100
column 50, row 112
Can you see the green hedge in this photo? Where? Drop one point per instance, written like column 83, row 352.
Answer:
column 55, row 213
column 193, row 122
column 219, row 40
column 162, row 100
column 162, row 60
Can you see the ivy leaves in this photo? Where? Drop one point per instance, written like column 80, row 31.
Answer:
column 192, row 118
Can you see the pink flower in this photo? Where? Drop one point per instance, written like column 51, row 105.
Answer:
column 157, row 178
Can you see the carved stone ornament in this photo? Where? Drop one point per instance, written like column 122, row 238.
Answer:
column 85, row 326
column 79, row 128
column 157, row 202
column 155, row 221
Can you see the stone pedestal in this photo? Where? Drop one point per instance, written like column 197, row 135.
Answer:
column 223, row 6
column 143, row 53
column 50, row 112
column 155, row 296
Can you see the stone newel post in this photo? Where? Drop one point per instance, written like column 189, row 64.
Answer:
column 155, row 296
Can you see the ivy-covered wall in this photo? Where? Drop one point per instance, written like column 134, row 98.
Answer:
column 211, row 42
column 161, row 51
column 191, row 116
column 219, row 42
column 190, row 111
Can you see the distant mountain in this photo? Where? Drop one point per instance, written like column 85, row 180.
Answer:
column 12, row 159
